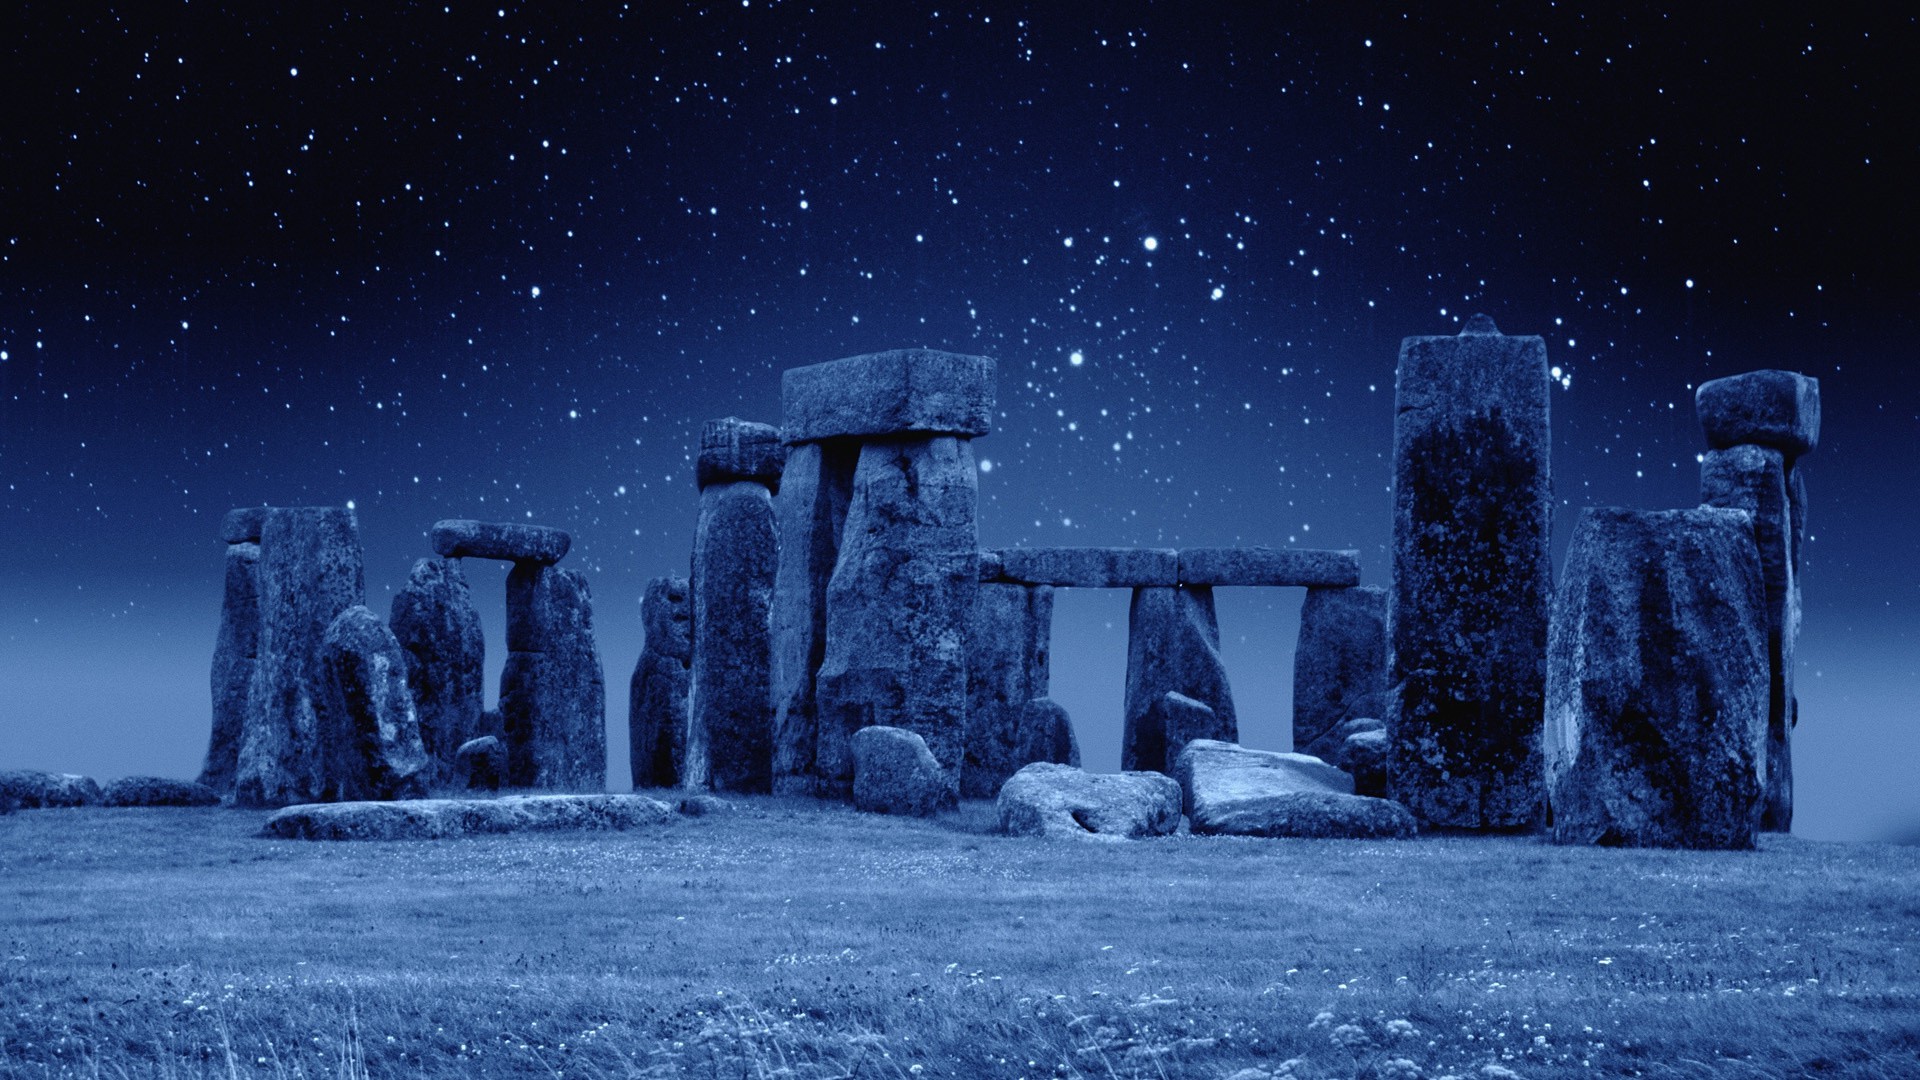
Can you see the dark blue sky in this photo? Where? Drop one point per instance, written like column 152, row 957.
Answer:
column 498, row 263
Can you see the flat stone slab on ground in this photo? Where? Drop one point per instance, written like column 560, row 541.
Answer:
column 157, row 791
column 1086, row 567
column 437, row 819
column 898, row 392
column 1268, row 566
column 1316, row 815
column 1778, row 409
column 464, row 538
column 1221, row 779
column 30, row 789
column 1061, row 801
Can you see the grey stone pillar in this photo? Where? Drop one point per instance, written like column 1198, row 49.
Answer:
column 1472, row 513
column 662, row 680
column 1758, row 425
column 553, row 696
column 736, row 553
column 815, row 487
column 1007, row 649
column 438, row 628
column 1173, row 644
column 310, row 571
column 1339, row 665
column 236, row 649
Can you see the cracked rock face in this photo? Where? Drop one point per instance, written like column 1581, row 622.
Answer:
column 895, row 773
column 1656, row 724
column 1471, row 578
column 816, row 487
column 898, row 604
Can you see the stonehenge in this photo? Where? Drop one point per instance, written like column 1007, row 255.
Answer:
column 1758, row 425
column 1467, row 617
column 236, row 651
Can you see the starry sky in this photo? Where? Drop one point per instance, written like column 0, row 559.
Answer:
column 502, row 262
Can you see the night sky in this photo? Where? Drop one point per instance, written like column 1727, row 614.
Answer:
column 500, row 263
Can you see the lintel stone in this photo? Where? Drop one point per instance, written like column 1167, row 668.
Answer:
column 463, row 538
column 1088, row 567
column 898, row 392
column 1779, row 409
column 735, row 449
column 242, row 525
column 1269, row 566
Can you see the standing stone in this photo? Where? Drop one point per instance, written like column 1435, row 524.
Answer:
column 1007, row 644
column 439, row 631
column 480, row 764
column 1339, row 665
column 369, row 733
column 816, row 487
column 235, row 653
column 310, row 571
column 1656, row 726
column 1754, row 479
column 895, row 773
column 1173, row 644
column 1471, row 577
column 657, row 695
column 899, row 602
column 1046, row 734
column 553, row 698
column 736, row 555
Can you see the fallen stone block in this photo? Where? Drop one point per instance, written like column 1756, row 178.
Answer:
column 463, row 538
column 734, row 449
column 1315, row 815
column 1089, row 567
column 1062, row 802
column 1217, row 778
column 899, row 392
column 1778, row 409
column 1656, row 723
column 895, row 773
column 157, row 791
column 439, row 819
column 1268, row 566
column 30, row 789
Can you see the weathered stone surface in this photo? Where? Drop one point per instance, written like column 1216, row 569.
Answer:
column 662, row 680
column 494, row 724
column 1008, row 641
column 235, row 656
column 1797, row 503
column 1471, row 577
column 734, row 449
column 553, row 697
column 1754, row 479
column 1363, row 756
column 439, row 819
column 1046, row 734
column 1063, row 802
column 1317, row 815
column 815, row 490
column 1778, row 409
column 1089, row 567
column 463, row 538
column 481, row 764
column 369, row 734
column 898, row 603
column 157, row 791
column 1173, row 643
column 310, row 571
column 736, row 556
column 1223, row 780
column 30, row 789
column 899, row 392
column 241, row 525
column 895, row 773
column 1268, row 566
column 446, row 651
column 1339, row 664
column 1176, row 720
column 698, row 805
column 1656, row 724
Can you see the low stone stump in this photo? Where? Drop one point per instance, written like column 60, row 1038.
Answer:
column 439, row 819
column 30, row 789
column 1363, row 756
column 895, row 773
column 1657, row 682
column 157, row 791
column 1046, row 734
column 481, row 764
column 1062, row 802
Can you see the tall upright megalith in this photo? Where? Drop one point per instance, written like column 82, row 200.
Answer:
column 553, row 697
column 1339, row 666
column 369, row 730
column 1173, row 646
column 1472, row 513
column 310, row 571
column 237, row 647
column 736, row 554
column 1008, row 641
column 1758, row 424
column 815, row 487
column 902, row 581
column 662, row 679
column 438, row 629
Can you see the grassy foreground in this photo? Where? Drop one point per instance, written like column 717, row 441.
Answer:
column 786, row 939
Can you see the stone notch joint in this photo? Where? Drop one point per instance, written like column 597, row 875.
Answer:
column 1479, row 324
column 463, row 538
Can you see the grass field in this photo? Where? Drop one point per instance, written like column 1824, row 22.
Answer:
column 786, row 939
